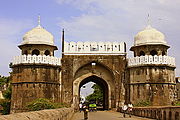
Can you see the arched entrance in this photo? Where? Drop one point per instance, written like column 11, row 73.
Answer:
column 98, row 74
column 102, row 84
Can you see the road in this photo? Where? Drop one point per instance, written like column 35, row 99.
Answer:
column 106, row 115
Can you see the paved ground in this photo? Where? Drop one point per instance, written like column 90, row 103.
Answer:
column 105, row 115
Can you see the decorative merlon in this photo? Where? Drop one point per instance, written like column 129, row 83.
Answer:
column 148, row 59
column 40, row 59
column 95, row 48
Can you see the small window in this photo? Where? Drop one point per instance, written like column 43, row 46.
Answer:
column 142, row 53
column 25, row 52
column 47, row 52
column 163, row 53
column 153, row 52
column 35, row 52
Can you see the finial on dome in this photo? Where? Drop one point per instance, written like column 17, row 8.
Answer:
column 39, row 20
column 148, row 19
column 148, row 22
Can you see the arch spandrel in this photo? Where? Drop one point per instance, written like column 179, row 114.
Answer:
column 101, row 73
column 99, row 69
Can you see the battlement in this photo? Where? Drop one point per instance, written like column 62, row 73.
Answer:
column 96, row 48
column 149, row 59
column 40, row 59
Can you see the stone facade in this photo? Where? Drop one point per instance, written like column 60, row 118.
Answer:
column 151, row 75
column 152, row 83
column 178, row 87
column 35, row 74
column 34, row 81
column 108, row 72
column 148, row 76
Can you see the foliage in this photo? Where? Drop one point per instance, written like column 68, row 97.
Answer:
column 6, row 102
column 43, row 103
column 4, row 80
column 7, row 93
column 97, row 95
column 142, row 103
column 176, row 103
column 5, row 105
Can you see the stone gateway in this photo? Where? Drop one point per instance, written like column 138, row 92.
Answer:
column 148, row 76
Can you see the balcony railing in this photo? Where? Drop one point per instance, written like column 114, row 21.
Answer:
column 34, row 59
column 148, row 59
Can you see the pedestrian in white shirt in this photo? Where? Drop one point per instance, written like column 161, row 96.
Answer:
column 130, row 108
column 124, row 108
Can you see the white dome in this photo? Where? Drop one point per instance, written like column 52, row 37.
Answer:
column 149, row 36
column 38, row 35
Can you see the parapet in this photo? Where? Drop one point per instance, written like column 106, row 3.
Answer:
column 149, row 59
column 96, row 48
column 34, row 59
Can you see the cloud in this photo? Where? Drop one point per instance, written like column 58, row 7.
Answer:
column 11, row 32
column 120, row 20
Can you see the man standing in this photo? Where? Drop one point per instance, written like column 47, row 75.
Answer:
column 130, row 107
column 124, row 108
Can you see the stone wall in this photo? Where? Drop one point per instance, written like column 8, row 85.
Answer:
column 53, row 114
column 30, row 82
column 159, row 113
column 152, row 83
column 110, row 68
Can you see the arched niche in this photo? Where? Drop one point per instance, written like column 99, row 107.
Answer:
column 96, row 73
column 35, row 52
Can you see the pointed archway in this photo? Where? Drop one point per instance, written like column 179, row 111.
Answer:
column 102, row 84
column 98, row 74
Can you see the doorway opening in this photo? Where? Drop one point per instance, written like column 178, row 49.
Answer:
column 94, row 90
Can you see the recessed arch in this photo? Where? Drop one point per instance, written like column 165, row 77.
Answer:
column 102, row 83
column 35, row 52
column 47, row 52
column 25, row 52
column 78, row 82
column 142, row 53
column 163, row 53
column 153, row 52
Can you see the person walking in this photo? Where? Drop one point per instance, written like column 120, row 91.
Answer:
column 124, row 108
column 80, row 107
column 130, row 108
column 85, row 109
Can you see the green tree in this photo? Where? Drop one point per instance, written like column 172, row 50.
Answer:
column 4, row 80
column 97, row 95
column 6, row 102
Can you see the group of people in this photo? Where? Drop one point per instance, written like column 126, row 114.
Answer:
column 127, row 108
column 92, row 107
column 84, row 108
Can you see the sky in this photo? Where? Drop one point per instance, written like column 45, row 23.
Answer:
column 87, row 20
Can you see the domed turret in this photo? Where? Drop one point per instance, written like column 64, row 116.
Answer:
column 149, row 36
column 151, row 70
column 38, row 41
column 38, row 35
